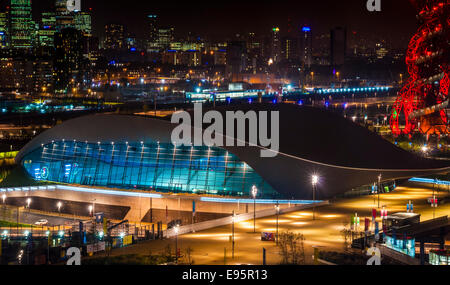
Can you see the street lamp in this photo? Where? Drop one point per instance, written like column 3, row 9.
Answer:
column 28, row 203
column 378, row 189
column 176, row 229
column 59, row 205
column 424, row 149
column 315, row 180
column 254, row 193
column 4, row 198
column 277, row 207
column 91, row 208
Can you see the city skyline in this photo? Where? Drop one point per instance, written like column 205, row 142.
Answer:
column 220, row 21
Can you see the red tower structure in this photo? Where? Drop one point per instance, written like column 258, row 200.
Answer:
column 423, row 101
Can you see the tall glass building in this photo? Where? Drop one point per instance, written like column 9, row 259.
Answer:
column 22, row 25
column 148, row 166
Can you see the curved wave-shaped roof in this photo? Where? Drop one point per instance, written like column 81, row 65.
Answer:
column 312, row 141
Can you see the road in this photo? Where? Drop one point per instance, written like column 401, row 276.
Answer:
column 9, row 213
column 208, row 246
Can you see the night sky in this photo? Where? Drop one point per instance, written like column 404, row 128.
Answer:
column 219, row 19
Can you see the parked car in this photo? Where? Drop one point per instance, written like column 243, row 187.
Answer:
column 42, row 222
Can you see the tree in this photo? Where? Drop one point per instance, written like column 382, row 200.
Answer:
column 346, row 234
column 188, row 256
column 292, row 248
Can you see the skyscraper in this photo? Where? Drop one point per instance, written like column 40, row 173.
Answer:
column 338, row 37
column 289, row 48
column 83, row 22
column 275, row 45
column 165, row 37
column 152, row 32
column 4, row 31
column 64, row 17
column 236, row 57
column 306, row 47
column 47, row 29
column 68, row 60
column 114, row 37
column 22, row 26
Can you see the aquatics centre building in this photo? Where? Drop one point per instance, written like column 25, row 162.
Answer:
column 136, row 153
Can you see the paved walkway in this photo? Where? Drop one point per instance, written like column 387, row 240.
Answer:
column 208, row 246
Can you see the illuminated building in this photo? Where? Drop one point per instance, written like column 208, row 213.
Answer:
column 220, row 57
column 47, row 30
column 83, row 22
column 128, row 152
column 64, row 17
column 165, row 37
column 114, row 36
column 8, row 78
column 22, row 25
column 338, row 37
column 68, row 60
column 306, row 47
column 289, row 48
column 4, row 31
column 275, row 45
column 381, row 50
column 152, row 32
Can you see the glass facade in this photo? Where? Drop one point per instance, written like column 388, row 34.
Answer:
column 406, row 246
column 147, row 166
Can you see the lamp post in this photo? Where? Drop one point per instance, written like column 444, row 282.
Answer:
column 59, row 205
column 176, row 229
column 232, row 234
column 378, row 189
column 28, row 203
column 315, row 180
column 277, row 207
column 254, row 193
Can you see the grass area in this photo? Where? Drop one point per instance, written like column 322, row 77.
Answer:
column 4, row 224
column 131, row 259
column 17, row 177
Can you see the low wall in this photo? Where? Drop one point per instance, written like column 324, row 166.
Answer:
column 143, row 206
column 238, row 218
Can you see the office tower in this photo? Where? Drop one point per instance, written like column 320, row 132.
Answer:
column 306, row 47
column 83, row 22
column 165, row 37
column 64, row 18
column 275, row 45
column 236, row 57
column 68, row 60
column 4, row 30
column 114, row 37
column 254, row 53
column 47, row 30
column 289, row 49
column 152, row 32
column 21, row 23
column 338, row 37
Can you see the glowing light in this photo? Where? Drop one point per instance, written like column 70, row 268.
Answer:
column 315, row 180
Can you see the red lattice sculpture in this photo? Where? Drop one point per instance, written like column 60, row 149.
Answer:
column 423, row 100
